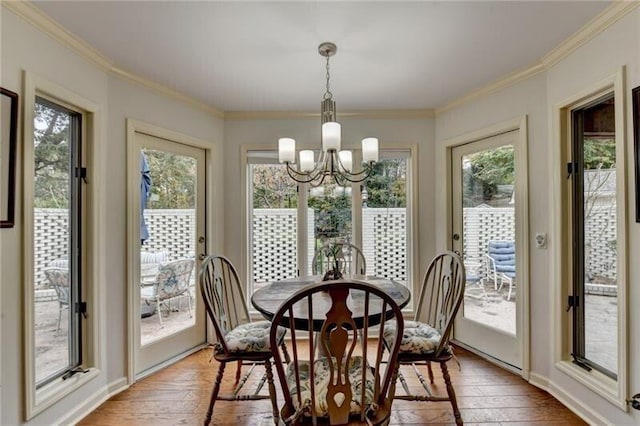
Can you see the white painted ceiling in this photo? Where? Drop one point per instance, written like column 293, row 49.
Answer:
column 262, row 56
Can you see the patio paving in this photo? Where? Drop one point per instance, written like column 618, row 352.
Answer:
column 51, row 346
column 493, row 310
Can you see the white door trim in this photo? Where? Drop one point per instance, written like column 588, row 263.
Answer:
column 213, row 225
column 444, row 211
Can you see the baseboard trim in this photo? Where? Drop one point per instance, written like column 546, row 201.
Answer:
column 170, row 361
column 92, row 403
column 579, row 409
column 513, row 369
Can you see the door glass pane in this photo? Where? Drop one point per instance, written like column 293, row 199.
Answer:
column 384, row 219
column 54, row 331
column 168, row 243
column 274, row 224
column 330, row 204
column 488, row 231
column 600, row 230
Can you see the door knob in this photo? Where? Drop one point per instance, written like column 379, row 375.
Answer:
column 456, row 237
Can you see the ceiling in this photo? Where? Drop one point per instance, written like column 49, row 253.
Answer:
column 262, row 56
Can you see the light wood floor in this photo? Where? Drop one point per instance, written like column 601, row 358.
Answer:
column 179, row 395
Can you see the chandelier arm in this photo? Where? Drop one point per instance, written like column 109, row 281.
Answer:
column 299, row 176
column 356, row 177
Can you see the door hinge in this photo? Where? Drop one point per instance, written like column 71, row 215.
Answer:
column 81, row 308
column 81, row 172
column 571, row 169
column 573, row 302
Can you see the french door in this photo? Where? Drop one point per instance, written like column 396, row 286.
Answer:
column 484, row 178
column 168, row 224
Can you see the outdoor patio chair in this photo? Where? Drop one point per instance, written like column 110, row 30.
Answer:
column 501, row 264
column 149, row 262
column 59, row 280
column 327, row 388
column 238, row 339
column 171, row 281
column 347, row 257
column 426, row 339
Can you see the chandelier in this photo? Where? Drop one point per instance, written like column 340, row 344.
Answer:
column 332, row 162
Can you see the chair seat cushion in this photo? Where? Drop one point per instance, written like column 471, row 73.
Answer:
column 251, row 337
column 321, row 373
column 418, row 337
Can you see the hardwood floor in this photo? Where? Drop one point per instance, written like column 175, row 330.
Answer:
column 179, row 395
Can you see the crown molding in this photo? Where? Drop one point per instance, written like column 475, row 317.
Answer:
column 34, row 16
column 134, row 78
column 44, row 23
column 363, row 115
column 605, row 19
column 601, row 22
column 495, row 86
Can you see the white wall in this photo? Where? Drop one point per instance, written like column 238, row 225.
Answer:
column 25, row 48
column 602, row 56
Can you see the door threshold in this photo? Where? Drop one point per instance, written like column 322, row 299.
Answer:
column 512, row 368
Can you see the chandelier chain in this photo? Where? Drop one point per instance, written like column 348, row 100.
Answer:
column 328, row 94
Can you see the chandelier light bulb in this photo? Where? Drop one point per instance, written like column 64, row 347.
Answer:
column 369, row 150
column 307, row 162
column 331, row 136
column 346, row 160
column 286, row 150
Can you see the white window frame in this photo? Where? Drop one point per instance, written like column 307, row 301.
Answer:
column 412, row 236
column 614, row 391
column 94, row 327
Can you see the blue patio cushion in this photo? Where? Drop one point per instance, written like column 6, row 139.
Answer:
column 493, row 245
column 503, row 254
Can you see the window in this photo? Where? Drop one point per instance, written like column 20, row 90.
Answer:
column 57, row 240
column 594, row 299
column 288, row 222
column 273, row 220
column 385, row 217
column 62, row 332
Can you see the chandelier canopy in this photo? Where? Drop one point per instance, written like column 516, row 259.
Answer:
column 333, row 162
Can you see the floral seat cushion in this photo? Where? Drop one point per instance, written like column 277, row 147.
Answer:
column 418, row 337
column 321, row 373
column 251, row 337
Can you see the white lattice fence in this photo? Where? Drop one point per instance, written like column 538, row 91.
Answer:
column 51, row 234
column 600, row 230
column 384, row 242
column 171, row 230
column 483, row 224
column 275, row 245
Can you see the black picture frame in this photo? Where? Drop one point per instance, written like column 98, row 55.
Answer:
column 635, row 100
column 8, row 152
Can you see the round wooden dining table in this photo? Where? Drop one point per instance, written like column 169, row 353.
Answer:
column 268, row 298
